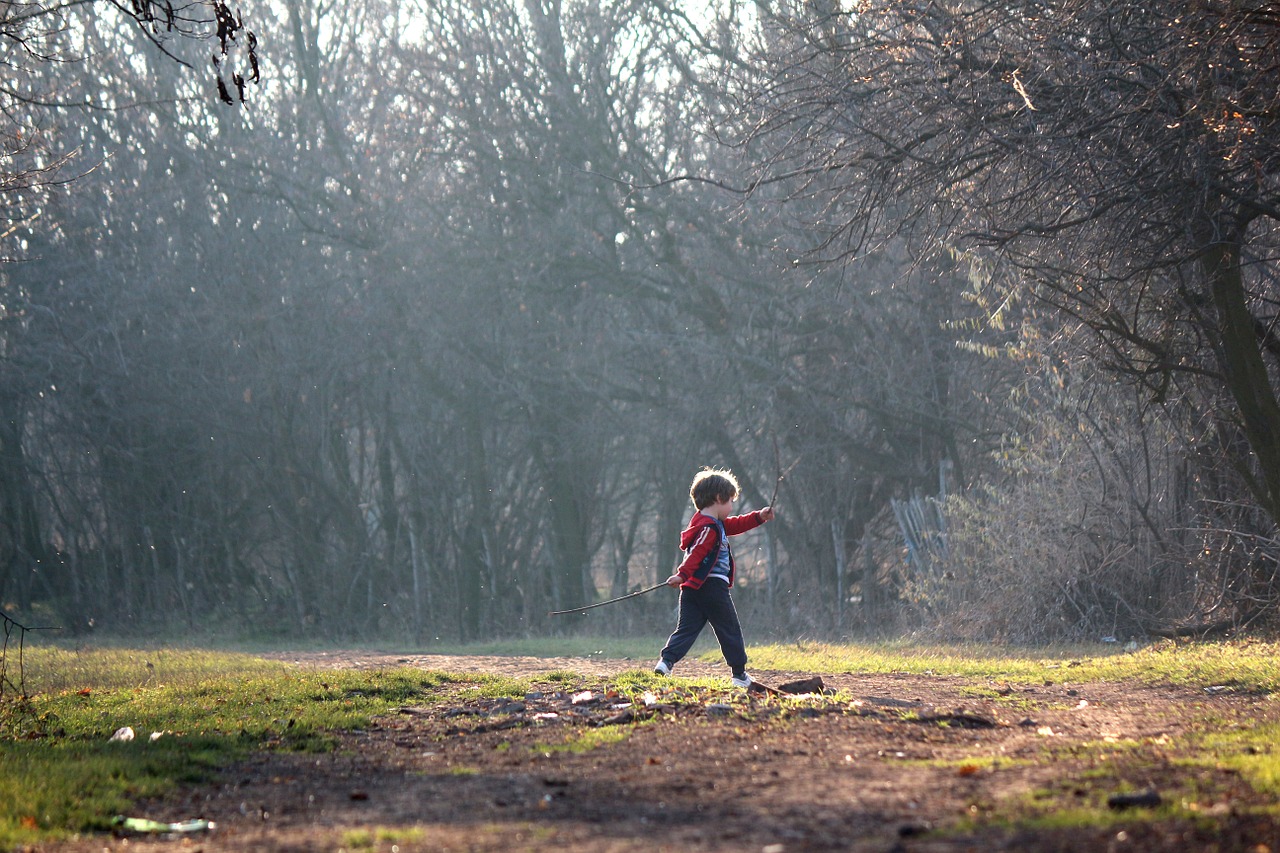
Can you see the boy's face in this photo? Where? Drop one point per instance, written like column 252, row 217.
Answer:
column 720, row 509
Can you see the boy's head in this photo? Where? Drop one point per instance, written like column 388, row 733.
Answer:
column 712, row 487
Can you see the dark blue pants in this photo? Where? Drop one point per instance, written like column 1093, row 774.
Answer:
column 711, row 603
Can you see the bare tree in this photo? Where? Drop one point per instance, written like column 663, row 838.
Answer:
column 1115, row 162
column 1120, row 163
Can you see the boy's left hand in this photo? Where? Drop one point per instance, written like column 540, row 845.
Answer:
column 766, row 514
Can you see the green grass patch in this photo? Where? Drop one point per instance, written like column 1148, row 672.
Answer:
column 1188, row 774
column 1242, row 664
column 610, row 648
column 368, row 839
column 51, row 669
column 644, row 649
column 53, row 789
column 1251, row 751
column 1247, row 665
column 490, row 686
column 583, row 741
column 60, row 774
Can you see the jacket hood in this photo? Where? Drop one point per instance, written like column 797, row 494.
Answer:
column 695, row 526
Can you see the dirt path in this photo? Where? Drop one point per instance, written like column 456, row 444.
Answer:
column 725, row 771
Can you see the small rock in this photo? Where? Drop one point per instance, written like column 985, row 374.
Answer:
column 804, row 685
column 626, row 716
column 1149, row 798
column 719, row 709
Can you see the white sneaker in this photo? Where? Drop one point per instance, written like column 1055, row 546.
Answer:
column 741, row 680
column 663, row 668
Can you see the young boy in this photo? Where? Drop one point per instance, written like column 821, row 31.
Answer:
column 705, row 575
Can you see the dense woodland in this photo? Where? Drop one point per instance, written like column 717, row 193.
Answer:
column 413, row 319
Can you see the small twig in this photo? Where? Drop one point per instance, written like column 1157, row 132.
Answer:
column 20, row 687
column 782, row 475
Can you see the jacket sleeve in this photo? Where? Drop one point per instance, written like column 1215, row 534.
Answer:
column 701, row 547
column 735, row 524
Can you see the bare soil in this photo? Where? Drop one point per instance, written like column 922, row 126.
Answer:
column 910, row 763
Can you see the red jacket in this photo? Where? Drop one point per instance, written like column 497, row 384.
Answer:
column 700, row 542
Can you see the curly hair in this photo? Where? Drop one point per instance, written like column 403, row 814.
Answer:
column 712, row 486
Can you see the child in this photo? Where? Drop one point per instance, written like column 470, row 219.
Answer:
column 705, row 575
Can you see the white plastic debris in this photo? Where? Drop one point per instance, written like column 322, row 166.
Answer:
column 143, row 825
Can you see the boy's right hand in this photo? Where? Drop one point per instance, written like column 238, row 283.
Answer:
column 675, row 580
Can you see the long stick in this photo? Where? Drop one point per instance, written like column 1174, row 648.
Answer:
column 610, row 601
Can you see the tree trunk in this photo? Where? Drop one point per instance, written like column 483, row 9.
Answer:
column 1246, row 373
column 18, row 513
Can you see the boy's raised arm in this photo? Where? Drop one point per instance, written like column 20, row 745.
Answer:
column 735, row 524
